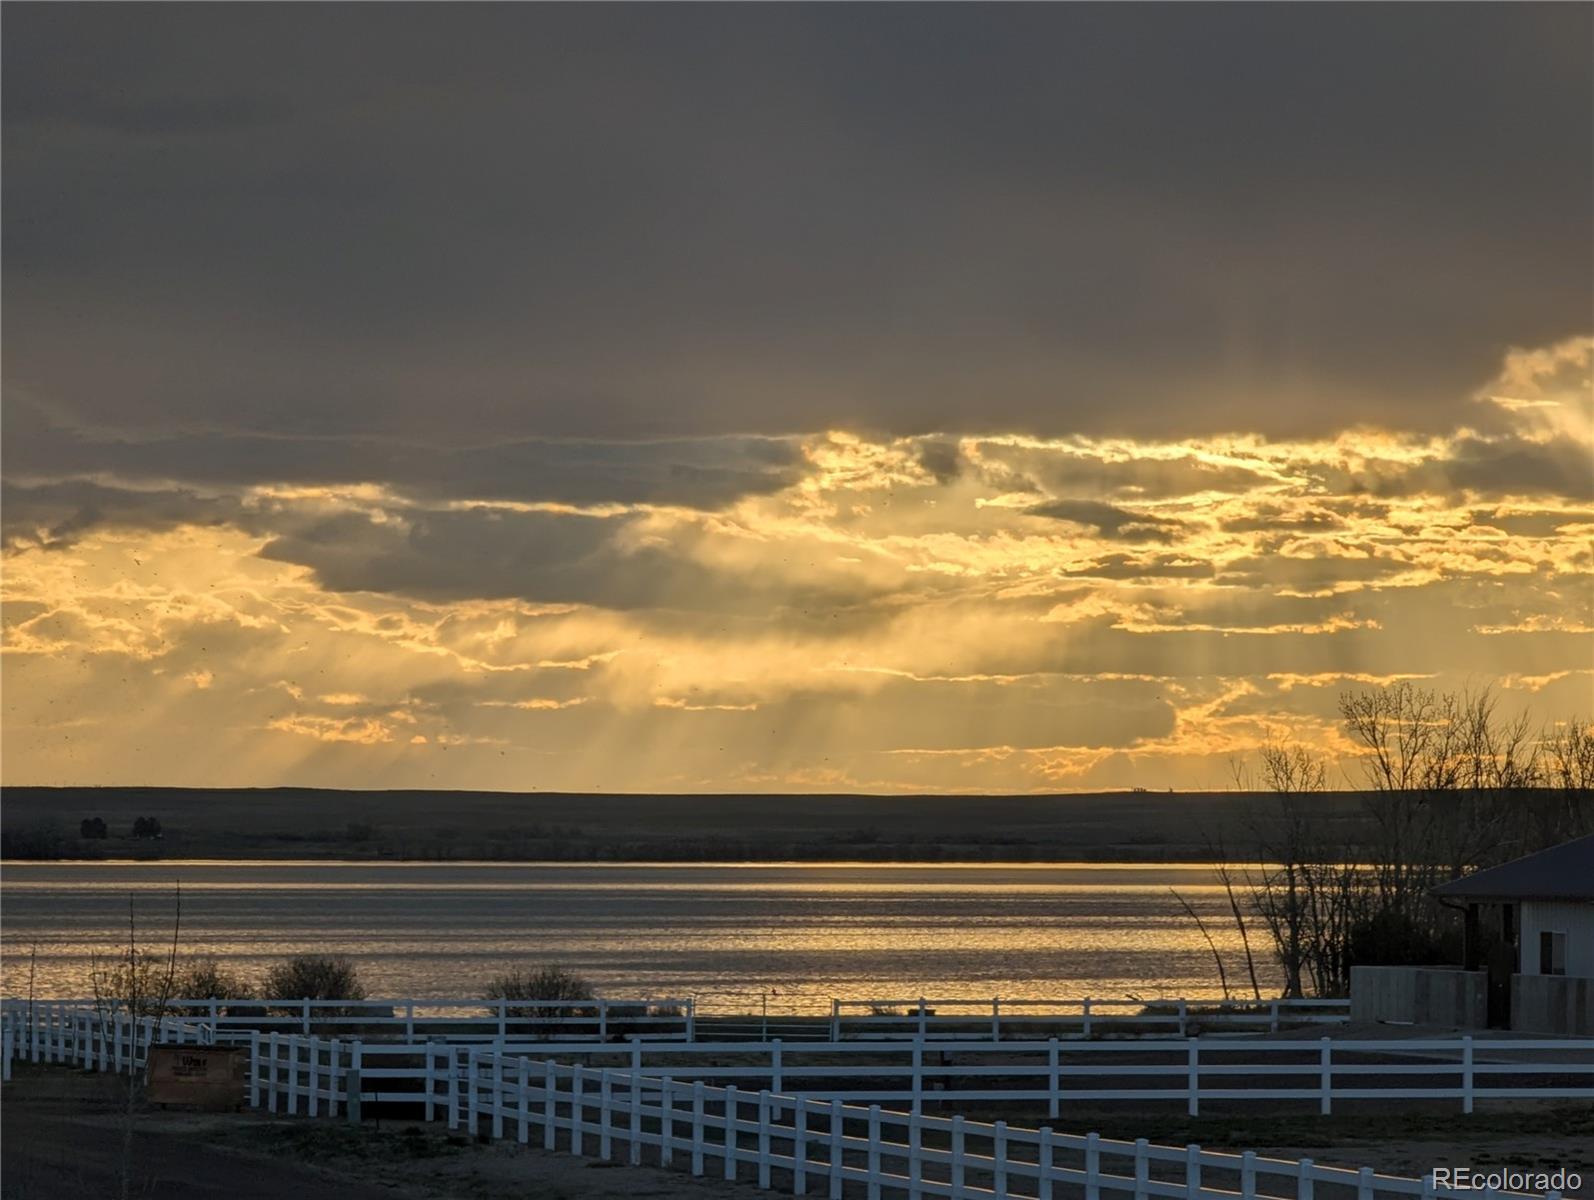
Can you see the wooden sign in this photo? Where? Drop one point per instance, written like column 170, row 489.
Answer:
column 208, row 1077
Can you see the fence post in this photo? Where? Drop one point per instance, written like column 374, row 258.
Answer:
column 254, row 1068
column 603, row 1019
column 666, row 1121
column 1043, row 1163
column 732, row 1114
column 577, row 1105
column 1273, row 1017
column 429, row 1084
column 915, row 1155
column 799, row 1147
column 605, row 1101
column 306, row 1004
column 635, row 1155
column 332, row 1084
column 996, row 1018
column 1192, row 1171
column 1248, row 1174
column 315, row 1077
column 550, row 1105
column 1303, row 1187
column 763, row 1139
column 835, row 1019
column 838, row 1152
column 1466, row 1074
column 924, row 1018
column 522, row 1100
column 1184, row 1018
column 1194, row 1083
column 1326, row 1076
column 1087, row 1018
column 777, row 1075
column 999, row 1158
column 918, row 1076
column 958, row 1169
column 498, row 1094
column 1364, row 1184
column 1142, row 1167
column 1054, row 1079
column 697, row 1127
column 354, row 1084
column 1093, row 1166
column 472, row 1094
column 409, row 1021
column 453, row 1087
column 271, row 1086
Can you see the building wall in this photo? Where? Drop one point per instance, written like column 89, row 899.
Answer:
column 1575, row 919
column 1552, row 1004
column 1419, row 995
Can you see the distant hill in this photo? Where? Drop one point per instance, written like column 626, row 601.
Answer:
column 40, row 822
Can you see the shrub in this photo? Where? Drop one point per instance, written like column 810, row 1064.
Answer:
column 544, row 983
column 207, row 979
column 314, row 977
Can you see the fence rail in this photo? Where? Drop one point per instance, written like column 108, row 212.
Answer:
column 825, row 1145
column 1022, row 1017
column 1055, row 1072
column 807, row 1138
column 1189, row 1073
column 460, row 1020
column 755, row 1015
column 89, row 1038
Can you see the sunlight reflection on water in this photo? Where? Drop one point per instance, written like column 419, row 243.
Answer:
column 846, row 930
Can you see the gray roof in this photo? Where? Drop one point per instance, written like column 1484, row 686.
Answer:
column 1564, row 872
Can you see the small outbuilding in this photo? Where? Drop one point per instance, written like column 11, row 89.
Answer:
column 1542, row 906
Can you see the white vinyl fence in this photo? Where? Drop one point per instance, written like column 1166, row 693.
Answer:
column 808, row 1140
column 812, row 1146
column 601, row 1018
column 757, row 1015
column 1059, row 1074
column 1021, row 1017
column 93, row 1039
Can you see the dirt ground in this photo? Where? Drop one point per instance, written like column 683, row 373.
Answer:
column 62, row 1139
column 61, row 1131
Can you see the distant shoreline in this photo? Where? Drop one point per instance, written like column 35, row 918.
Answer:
column 417, row 826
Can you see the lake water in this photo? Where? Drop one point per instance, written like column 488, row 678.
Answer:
column 805, row 931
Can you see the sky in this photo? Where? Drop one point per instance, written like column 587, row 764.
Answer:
column 764, row 398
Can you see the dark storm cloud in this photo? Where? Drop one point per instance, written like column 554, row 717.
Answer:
column 694, row 472
column 1110, row 521
column 55, row 515
column 463, row 224
column 546, row 557
column 1559, row 466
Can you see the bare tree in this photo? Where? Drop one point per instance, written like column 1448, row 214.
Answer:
column 1450, row 785
column 135, row 987
column 1217, row 958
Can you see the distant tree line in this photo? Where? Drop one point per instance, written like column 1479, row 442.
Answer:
column 95, row 829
